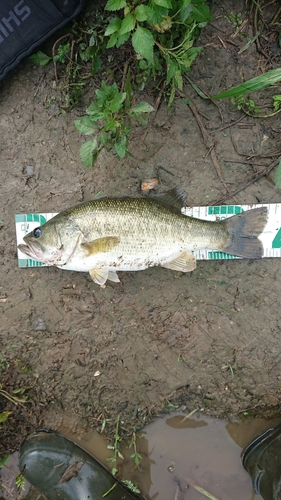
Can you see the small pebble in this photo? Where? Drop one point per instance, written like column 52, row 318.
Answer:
column 30, row 170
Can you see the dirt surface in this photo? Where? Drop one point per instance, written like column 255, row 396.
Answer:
column 208, row 339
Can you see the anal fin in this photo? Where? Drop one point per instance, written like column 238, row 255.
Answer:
column 112, row 276
column 185, row 263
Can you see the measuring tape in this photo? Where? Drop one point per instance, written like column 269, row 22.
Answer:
column 270, row 237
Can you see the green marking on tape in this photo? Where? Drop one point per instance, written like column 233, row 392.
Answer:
column 35, row 218
column 30, row 263
column 225, row 210
column 277, row 240
column 220, row 255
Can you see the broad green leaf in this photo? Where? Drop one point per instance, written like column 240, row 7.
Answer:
column 143, row 12
column 122, row 39
column 116, row 103
column 257, row 83
column 201, row 13
column 128, row 24
column 113, row 26
column 112, row 41
column 141, row 107
column 121, row 146
column 163, row 3
column 104, row 137
column 3, row 416
column 143, row 42
column 40, row 58
column 88, row 152
column 277, row 177
column 115, row 4
column 111, row 125
column 85, row 125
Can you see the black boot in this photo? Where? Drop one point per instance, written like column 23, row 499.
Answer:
column 262, row 459
column 64, row 471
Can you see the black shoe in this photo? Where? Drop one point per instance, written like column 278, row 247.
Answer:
column 64, row 471
column 262, row 459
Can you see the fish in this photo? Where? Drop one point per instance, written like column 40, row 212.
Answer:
column 108, row 235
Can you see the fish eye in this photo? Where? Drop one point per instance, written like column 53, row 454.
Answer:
column 37, row 232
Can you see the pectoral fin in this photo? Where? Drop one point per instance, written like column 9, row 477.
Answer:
column 185, row 263
column 100, row 245
column 100, row 276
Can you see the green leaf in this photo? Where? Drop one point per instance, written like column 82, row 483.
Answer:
column 276, row 102
column 163, row 3
column 115, row 4
column 201, row 13
column 104, row 137
column 128, row 24
column 172, row 67
column 116, row 103
column 4, row 460
column 88, row 152
column 143, row 12
column 113, row 26
column 111, row 125
column 40, row 58
column 121, row 146
column 143, row 42
column 112, row 41
column 277, row 177
column 3, row 416
column 122, row 39
column 141, row 107
column 85, row 125
column 178, row 79
column 257, row 83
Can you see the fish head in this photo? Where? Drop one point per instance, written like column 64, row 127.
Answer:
column 44, row 244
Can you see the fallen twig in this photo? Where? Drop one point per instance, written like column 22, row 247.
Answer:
column 208, row 142
column 255, row 178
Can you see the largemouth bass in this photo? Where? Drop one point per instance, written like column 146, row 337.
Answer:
column 129, row 234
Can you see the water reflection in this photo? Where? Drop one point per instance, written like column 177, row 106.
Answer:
column 179, row 455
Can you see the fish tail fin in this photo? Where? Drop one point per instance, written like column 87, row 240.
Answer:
column 244, row 230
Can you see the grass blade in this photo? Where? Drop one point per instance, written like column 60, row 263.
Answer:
column 257, row 83
column 200, row 489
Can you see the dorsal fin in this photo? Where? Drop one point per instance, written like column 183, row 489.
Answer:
column 175, row 197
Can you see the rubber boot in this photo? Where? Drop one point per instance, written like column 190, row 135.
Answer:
column 64, row 471
column 262, row 460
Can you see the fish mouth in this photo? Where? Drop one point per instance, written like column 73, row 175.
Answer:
column 32, row 250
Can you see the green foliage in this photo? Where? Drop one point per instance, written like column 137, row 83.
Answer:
column 3, row 416
column 131, row 485
column 115, row 446
column 135, row 455
column 20, row 482
column 109, row 119
column 40, row 58
column 162, row 34
column 246, row 104
column 257, row 83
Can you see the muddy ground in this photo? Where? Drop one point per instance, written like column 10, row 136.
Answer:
column 209, row 339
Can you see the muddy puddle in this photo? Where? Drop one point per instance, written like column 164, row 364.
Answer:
column 179, row 454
